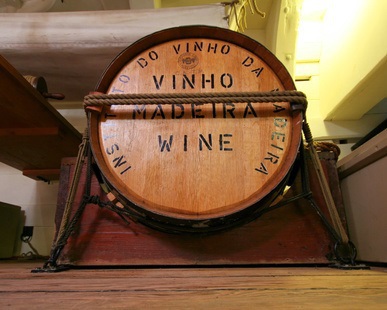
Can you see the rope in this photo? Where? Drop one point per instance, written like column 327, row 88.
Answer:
column 328, row 147
column 274, row 96
column 65, row 228
column 238, row 10
column 336, row 221
column 184, row 98
column 73, row 185
column 255, row 9
column 67, row 225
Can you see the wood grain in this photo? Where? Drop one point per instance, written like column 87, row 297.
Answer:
column 197, row 288
column 34, row 137
column 195, row 163
column 293, row 234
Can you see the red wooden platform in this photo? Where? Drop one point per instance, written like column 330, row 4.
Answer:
column 292, row 234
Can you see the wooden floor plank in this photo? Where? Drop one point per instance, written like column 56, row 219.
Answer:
column 191, row 288
column 172, row 283
column 189, row 300
column 218, row 299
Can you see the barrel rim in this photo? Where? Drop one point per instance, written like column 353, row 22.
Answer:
column 195, row 31
column 187, row 32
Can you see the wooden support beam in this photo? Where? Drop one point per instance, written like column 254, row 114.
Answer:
column 49, row 131
column 45, row 175
column 34, row 136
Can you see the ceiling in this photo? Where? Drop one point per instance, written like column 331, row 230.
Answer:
column 309, row 48
column 254, row 20
column 71, row 51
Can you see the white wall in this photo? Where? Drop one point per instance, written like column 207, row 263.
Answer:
column 36, row 198
column 340, row 43
column 38, row 202
column 354, row 46
column 364, row 195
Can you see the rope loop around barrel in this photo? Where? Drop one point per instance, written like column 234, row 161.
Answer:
column 291, row 96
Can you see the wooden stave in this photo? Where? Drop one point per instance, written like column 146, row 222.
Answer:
column 169, row 223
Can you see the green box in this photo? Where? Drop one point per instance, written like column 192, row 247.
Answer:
column 10, row 225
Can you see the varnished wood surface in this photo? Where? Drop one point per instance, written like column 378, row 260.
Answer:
column 292, row 234
column 200, row 163
column 34, row 137
column 192, row 288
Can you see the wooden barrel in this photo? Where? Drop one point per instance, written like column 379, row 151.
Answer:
column 195, row 166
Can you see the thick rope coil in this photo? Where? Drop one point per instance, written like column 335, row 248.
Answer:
column 184, row 98
column 328, row 147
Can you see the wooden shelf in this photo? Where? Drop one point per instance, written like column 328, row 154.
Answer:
column 34, row 137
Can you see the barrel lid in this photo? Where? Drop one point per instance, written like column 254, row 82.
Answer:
column 194, row 161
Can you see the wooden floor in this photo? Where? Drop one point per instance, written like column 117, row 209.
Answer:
column 192, row 288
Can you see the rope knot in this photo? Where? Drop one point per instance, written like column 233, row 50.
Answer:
column 94, row 200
